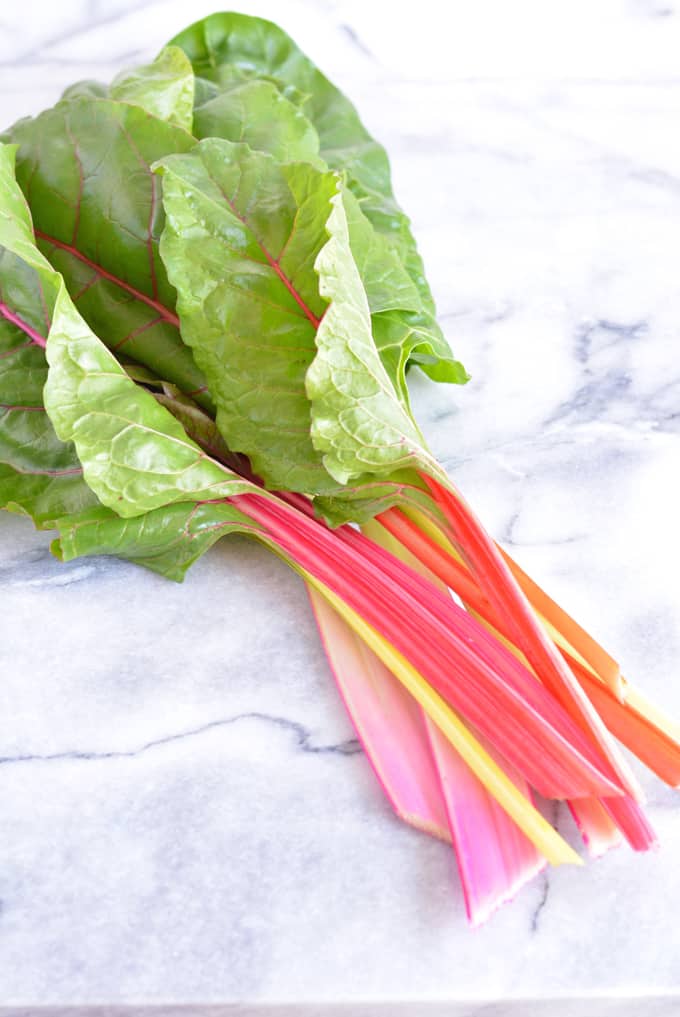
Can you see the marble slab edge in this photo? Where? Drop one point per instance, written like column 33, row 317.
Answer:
column 586, row 1006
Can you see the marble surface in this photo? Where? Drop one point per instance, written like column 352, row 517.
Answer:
column 188, row 823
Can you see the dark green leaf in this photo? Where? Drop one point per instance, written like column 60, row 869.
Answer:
column 84, row 167
column 200, row 427
column 135, row 453
column 39, row 474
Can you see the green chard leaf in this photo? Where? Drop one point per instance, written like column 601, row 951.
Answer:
column 87, row 89
column 164, row 88
column 164, row 501
column 259, row 48
column 242, row 108
column 256, row 113
column 229, row 47
column 167, row 540
column 359, row 423
column 39, row 474
column 402, row 327
column 136, row 455
column 84, row 167
column 108, row 252
column 242, row 235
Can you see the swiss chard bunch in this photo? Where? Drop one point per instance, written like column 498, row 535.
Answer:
column 209, row 302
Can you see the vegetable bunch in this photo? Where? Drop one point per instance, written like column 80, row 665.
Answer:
column 209, row 301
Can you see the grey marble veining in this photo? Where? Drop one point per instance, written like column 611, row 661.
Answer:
column 189, row 826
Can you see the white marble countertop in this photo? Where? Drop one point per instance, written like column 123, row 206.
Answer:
column 186, row 816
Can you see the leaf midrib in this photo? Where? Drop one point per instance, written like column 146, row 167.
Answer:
column 10, row 315
column 274, row 263
column 160, row 309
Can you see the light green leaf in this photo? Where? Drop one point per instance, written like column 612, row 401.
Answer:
column 387, row 283
column 403, row 329
column 358, row 421
column 229, row 76
column 135, row 455
column 403, row 338
column 164, row 88
column 256, row 113
column 167, row 540
column 259, row 47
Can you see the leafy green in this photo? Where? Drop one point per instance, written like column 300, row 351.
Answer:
column 256, row 113
column 387, row 283
column 239, row 245
column 403, row 329
column 243, row 246
column 244, row 232
column 260, row 48
column 122, row 297
column 226, row 47
column 84, row 167
column 167, row 540
column 358, row 422
column 136, row 455
column 39, row 474
column 165, row 88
